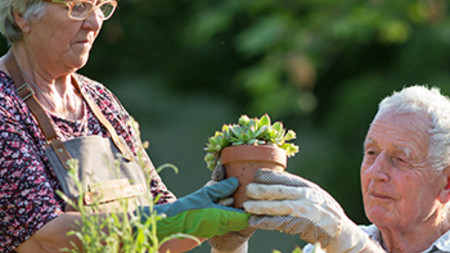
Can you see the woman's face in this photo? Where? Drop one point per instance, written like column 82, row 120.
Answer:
column 62, row 43
column 400, row 189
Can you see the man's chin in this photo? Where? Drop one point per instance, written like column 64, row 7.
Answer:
column 379, row 216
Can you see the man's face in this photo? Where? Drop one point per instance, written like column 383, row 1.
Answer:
column 400, row 189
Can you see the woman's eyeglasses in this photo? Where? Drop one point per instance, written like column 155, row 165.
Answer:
column 81, row 9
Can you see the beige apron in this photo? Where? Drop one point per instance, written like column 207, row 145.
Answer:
column 107, row 179
column 110, row 176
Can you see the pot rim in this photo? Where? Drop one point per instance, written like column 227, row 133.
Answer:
column 254, row 153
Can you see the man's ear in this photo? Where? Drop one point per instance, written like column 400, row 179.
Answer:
column 21, row 22
column 444, row 195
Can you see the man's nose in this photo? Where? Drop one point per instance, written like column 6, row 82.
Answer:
column 380, row 168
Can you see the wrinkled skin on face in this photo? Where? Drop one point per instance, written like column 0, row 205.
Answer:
column 59, row 44
column 401, row 191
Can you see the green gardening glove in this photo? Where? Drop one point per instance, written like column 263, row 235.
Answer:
column 197, row 214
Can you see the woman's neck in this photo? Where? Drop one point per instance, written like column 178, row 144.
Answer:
column 53, row 90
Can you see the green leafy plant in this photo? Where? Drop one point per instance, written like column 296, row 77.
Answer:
column 115, row 232
column 122, row 231
column 249, row 131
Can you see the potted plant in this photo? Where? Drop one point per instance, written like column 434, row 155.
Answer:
column 245, row 147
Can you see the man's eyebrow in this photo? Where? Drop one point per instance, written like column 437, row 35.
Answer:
column 368, row 141
column 405, row 150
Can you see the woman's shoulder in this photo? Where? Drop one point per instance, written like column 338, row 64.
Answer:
column 109, row 104
column 6, row 83
column 9, row 100
column 91, row 86
column 97, row 90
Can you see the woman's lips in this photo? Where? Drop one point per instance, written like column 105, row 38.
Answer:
column 84, row 42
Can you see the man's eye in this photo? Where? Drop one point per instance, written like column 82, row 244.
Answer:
column 399, row 159
column 370, row 152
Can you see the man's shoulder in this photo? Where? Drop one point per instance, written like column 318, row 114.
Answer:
column 371, row 230
column 442, row 243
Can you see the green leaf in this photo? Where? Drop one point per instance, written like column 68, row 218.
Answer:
column 244, row 120
column 271, row 133
column 224, row 142
column 252, row 142
column 236, row 130
column 291, row 149
column 265, row 120
column 212, row 141
column 210, row 157
column 278, row 126
column 209, row 148
column 260, row 132
column 225, row 128
column 290, row 135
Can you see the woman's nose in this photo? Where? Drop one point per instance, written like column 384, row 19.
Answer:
column 94, row 21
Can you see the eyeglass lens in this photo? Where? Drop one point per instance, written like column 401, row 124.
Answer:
column 82, row 9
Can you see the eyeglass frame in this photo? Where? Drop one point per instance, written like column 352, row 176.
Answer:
column 70, row 5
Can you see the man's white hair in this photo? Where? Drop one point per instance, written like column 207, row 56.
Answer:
column 31, row 10
column 430, row 102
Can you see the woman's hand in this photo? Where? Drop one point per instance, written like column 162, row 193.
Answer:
column 198, row 214
column 234, row 241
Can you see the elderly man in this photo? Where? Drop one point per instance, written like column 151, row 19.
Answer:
column 405, row 183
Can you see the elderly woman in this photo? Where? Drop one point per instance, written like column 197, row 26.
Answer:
column 405, row 179
column 50, row 114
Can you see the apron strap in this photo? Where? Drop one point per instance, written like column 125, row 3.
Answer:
column 44, row 121
column 101, row 117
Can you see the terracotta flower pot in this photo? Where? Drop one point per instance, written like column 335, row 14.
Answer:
column 244, row 160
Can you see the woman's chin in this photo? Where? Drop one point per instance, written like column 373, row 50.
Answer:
column 77, row 64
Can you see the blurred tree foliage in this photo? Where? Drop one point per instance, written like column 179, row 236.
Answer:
column 185, row 67
column 264, row 50
column 321, row 66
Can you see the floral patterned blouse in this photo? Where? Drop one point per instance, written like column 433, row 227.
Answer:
column 28, row 185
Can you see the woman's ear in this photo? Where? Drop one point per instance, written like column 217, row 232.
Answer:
column 21, row 22
column 444, row 195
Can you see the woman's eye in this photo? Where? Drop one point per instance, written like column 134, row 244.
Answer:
column 80, row 7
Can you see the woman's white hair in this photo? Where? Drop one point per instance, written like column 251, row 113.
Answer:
column 430, row 101
column 31, row 10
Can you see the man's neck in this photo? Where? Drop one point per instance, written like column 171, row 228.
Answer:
column 414, row 239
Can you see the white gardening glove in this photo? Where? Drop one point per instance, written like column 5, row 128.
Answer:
column 291, row 204
column 231, row 242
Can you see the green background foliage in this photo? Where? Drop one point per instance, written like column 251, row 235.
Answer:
column 184, row 68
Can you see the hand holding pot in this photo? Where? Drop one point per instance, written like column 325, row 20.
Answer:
column 293, row 205
column 198, row 214
column 236, row 241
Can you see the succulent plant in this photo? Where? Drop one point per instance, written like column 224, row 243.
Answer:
column 249, row 131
